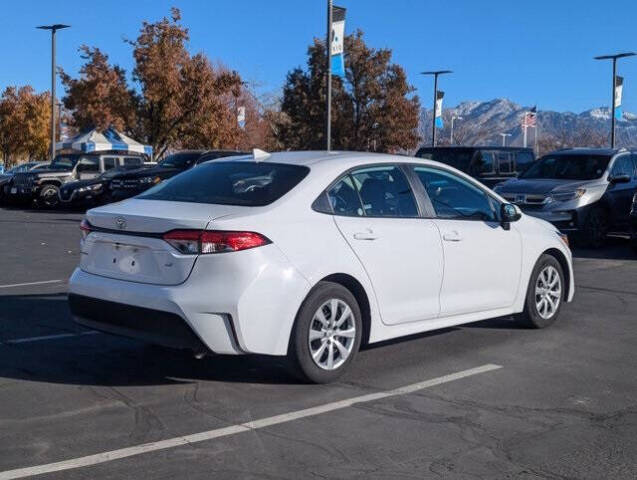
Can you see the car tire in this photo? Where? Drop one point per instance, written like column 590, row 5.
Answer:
column 595, row 228
column 545, row 294
column 49, row 196
column 316, row 335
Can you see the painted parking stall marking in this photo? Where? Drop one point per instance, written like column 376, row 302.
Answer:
column 40, row 338
column 28, row 284
column 104, row 457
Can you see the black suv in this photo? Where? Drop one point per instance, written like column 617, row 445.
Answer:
column 129, row 184
column 43, row 185
column 489, row 165
column 633, row 223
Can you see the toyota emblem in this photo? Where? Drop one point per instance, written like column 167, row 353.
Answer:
column 120, row 222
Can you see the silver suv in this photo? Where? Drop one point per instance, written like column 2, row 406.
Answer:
column 582, row 191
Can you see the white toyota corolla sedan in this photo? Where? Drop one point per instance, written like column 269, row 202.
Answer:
column 311, row 254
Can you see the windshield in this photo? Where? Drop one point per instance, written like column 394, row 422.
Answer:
column 568, row 167
column 230, row 183
column 64, row 162
column 179, row 160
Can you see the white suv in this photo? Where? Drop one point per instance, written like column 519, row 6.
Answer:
column 310, row 254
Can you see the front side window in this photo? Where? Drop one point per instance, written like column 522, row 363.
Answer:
column 622, row 166
column 242, row 183
column 109, row 163
column 133, row 161
column 89, row 165
column 455, row 198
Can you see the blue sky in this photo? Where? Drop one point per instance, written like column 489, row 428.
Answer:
column 537, row 52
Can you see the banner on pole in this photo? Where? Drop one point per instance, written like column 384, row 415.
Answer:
column 619, row 87
column 338, row 38
column 439, row 96
column 241, row 117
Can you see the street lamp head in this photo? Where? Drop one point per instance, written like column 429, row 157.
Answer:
column 57, row 26
column 617, row 55
column 436, row 72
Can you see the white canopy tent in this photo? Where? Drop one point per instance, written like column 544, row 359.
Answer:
column 108, row 140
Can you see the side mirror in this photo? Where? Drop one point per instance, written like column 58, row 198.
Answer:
column 620, row 179
column 509, row 213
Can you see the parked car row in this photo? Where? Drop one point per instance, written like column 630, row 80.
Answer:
column 586, row 193
column 85, row 179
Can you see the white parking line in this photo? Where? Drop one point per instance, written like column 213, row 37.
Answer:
column 47, row 337
column 234, row 429
column 43, row 282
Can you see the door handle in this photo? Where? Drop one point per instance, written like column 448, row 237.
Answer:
column 366, row 235
column 452, row 236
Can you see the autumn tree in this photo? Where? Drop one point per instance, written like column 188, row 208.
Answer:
column 372, row 106
column 100, row 97
column 25, row 117
column 183, row 100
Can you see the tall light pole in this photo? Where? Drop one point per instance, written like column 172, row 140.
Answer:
column 435, row 73
column 328, row 67
column 453, row 117
column 53, row 28
column 612, row 110
column 504, row 138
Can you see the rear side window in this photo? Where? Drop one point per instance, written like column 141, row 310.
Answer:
column 243, row 183
column 381, row 191
column 344, row 198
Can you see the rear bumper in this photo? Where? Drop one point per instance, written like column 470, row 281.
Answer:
column 154, row 326
column 242, row 302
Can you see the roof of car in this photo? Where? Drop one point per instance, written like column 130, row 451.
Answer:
column 588, row 151
column 476, row 147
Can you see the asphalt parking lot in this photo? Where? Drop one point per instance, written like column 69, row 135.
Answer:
column 482, row 401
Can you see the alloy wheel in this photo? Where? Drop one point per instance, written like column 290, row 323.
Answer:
column 548, row 292
column 332, row 334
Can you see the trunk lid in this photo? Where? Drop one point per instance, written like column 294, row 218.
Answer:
column 127, row 243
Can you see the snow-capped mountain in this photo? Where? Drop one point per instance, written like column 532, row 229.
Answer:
column 482, row 123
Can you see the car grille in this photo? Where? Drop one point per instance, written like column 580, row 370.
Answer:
column 23, row 180
column 527, row 201
column 125, row 183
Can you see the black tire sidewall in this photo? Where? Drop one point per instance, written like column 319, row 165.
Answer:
column 299, row 350
column 591, row 235
column 531, row 317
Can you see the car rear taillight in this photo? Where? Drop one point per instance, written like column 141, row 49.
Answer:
column 85, row 228
column 213, row 241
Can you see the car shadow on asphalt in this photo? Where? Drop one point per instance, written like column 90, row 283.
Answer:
column 615, row 248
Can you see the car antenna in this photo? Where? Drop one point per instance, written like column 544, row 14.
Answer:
column 259, row 155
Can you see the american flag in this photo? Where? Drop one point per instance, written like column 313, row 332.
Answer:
column 529, row 118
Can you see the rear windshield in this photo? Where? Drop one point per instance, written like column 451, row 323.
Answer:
column 568, row 167
column 230, row 183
